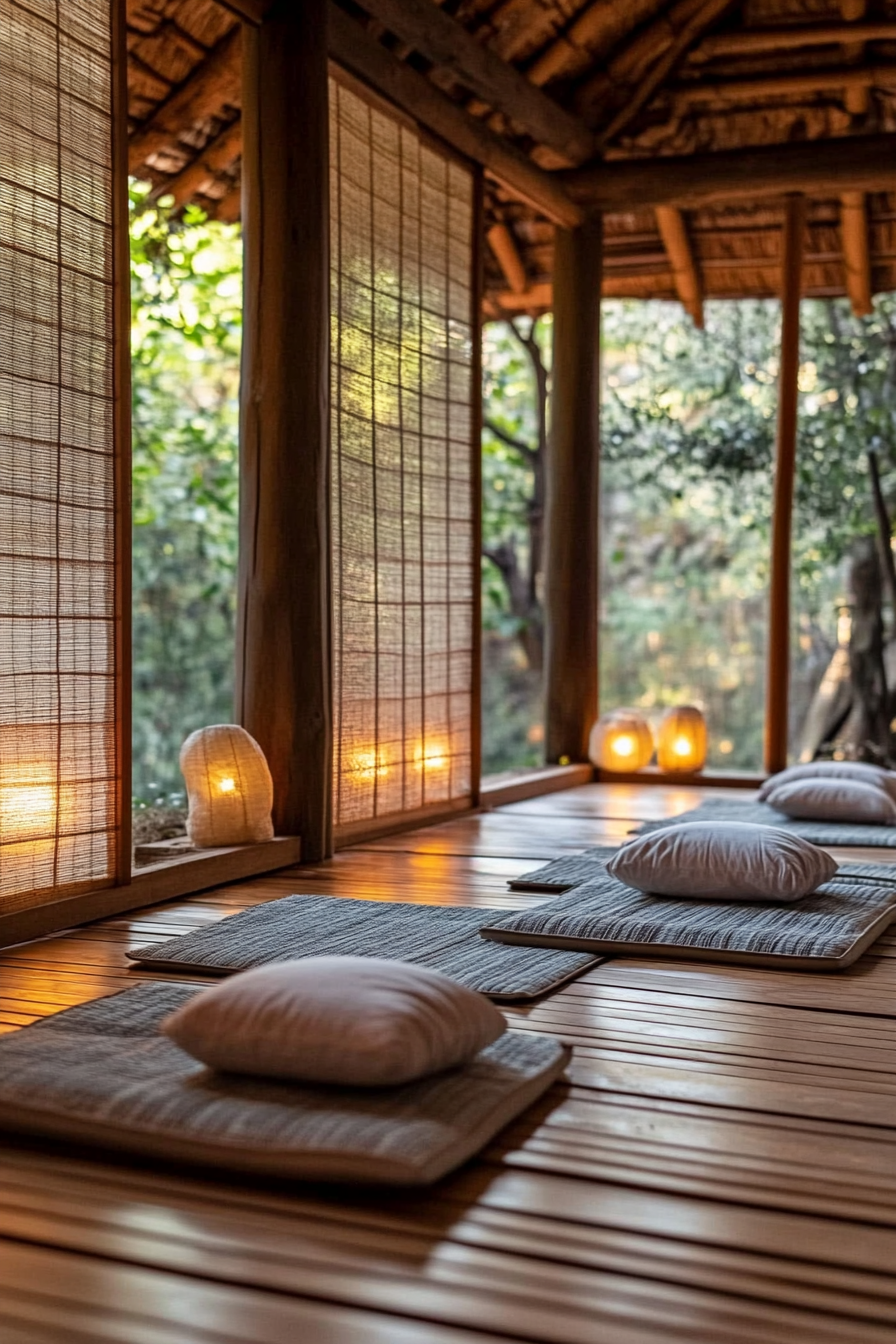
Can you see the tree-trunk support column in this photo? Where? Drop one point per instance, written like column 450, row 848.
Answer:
column 284, row 690
column 776, row 696
column 571, row 543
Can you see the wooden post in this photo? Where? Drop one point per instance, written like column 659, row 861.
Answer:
column 121, row 328
column 284, row 678
column 776, row 695
column 674, row 234
column 856, row 251
column 571, row 555
column 477, row 289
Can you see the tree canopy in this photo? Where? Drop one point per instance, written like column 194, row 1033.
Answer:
column 186, row 294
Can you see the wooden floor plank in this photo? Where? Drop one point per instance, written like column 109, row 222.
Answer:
column 719, row 1165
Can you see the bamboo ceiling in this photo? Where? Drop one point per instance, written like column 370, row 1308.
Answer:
column 573, row 83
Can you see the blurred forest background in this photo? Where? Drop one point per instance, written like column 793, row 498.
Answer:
column 186, row 289
column 688, row 430
column 688, row 423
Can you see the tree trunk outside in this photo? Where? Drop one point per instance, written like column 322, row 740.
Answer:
column 871, row 726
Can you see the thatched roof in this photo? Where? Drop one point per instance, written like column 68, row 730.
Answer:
column 603, row 81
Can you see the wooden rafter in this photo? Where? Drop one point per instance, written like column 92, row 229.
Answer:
column 853, row 163
column 601, row 24
column 856, row 255
column 503, row 245
column 711, row 11
column 858, row 97
column 352, row 48
column 646, row 62
column 229, row 208
column 213, row 159
column 442, row 40
column 778, row 649
column 760, row 41
column 759, row 88
column 536, row 298
column 250, row 11
column 213, row 85
column 688, row 285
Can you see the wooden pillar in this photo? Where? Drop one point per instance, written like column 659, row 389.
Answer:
column 776, row 693
column 571, row 554
column 284, row 677
column 856, row 251
column 121, row 329
column 688, row 285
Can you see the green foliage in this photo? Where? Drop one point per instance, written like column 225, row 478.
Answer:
column 186, row 295
column 688, row 432
column 509, row 401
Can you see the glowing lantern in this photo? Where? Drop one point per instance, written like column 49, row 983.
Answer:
column 229, row 787
column 681, row 741
column 621, row 740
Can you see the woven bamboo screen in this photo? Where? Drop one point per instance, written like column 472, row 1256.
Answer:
column 402, row 430
column 57, row 521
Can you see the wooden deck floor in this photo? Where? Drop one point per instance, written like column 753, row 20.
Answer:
column 720, row 1167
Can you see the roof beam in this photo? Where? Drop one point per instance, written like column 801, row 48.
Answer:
column 684, row 39
column 856, row 253
column 230, row 207
column 853, row 163
column 757, row 41
column 351, row 48
column 688, row 285
column 250, row 11
column 858, row 99
column 851, row 78
column 445, row 42
column 593, row 33
column 540, row 297
column 506, row 253
column 216, row 156
column 214, row 83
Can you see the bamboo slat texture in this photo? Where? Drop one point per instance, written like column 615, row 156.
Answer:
column 61, row 657
column 402, row 466
column 719, row 1166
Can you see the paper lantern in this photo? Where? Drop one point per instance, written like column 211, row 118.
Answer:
column 621, row 740
column 229, row 787
column 681, row 740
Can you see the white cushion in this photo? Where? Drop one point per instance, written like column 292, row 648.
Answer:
column 859, row 771
column 359, row 1021
column 725, row 861
column 834, row 800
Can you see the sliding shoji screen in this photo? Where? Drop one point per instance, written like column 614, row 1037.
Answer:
column 403, row 415
column 59, row 749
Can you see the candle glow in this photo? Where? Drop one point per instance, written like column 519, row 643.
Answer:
column 27, row 806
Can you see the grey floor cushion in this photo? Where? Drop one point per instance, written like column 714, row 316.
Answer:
column 101, row 1074
column 446, row 938
column 563, row 874
column 827, row 930
column 821, row 832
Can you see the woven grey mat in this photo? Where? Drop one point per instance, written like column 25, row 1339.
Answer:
column 563, row 874
column 443, row 937
column 101, row 1074
column 820, row 832
column 826, row 930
